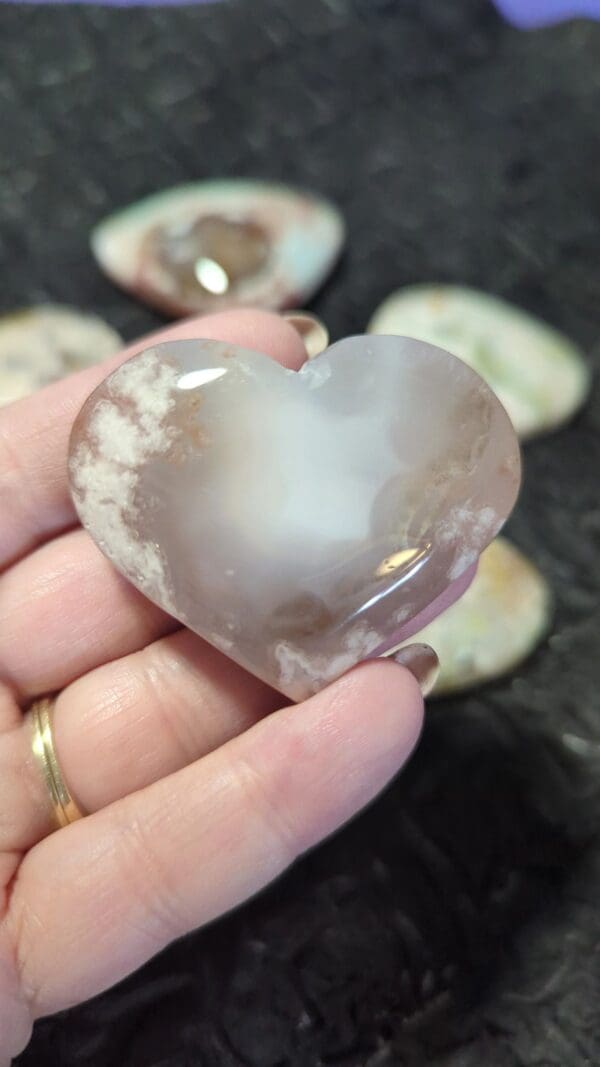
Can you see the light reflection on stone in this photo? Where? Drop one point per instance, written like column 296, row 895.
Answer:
column 212, row 253
column 498, row 622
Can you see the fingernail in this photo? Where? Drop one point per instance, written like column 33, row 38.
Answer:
column 313, row 332
column 422, row 662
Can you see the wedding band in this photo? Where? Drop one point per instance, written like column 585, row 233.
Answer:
column 42, row 743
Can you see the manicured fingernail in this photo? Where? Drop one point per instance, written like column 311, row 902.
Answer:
column 422, row 662
column 313, row 332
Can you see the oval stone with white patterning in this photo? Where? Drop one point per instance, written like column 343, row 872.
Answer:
column 540, row 376
column 296, row 520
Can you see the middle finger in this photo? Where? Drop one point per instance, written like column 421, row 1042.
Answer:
column 82, row 611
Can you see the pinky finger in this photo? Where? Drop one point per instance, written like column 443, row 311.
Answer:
column 113, row 889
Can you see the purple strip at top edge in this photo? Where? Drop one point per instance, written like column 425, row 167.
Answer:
column 525, row 14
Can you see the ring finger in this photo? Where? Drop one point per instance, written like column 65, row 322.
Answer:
column 129, row 723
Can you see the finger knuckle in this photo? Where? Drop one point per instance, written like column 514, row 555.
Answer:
column 265, row 792
column 170, row 708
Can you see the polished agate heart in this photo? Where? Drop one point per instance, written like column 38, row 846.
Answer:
column 296, row 520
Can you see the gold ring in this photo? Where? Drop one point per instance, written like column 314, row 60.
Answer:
column 42, row 743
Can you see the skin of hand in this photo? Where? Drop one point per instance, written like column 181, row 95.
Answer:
column 199, row 786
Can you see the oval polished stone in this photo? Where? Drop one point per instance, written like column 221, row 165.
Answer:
column 495, row 625
column 212, row 245
column 537, row 373
column 296, row 520
column 41, row 344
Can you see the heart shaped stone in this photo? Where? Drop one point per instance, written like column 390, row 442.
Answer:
column 296, row 520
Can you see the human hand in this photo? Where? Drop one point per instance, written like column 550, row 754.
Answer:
column 198, row 790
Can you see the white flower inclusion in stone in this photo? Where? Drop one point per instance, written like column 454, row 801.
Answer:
column 125, row 429
column 294, row 520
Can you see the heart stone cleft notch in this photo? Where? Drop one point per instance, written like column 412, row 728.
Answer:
column 296, row 520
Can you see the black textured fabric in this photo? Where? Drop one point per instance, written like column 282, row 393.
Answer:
column 456, row 923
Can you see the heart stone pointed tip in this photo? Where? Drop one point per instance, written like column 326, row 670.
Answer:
column 294, row 520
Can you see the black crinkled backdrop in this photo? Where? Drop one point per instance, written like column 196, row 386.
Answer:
column 457, row 922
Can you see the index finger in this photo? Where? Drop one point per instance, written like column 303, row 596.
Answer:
column 35, row 503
